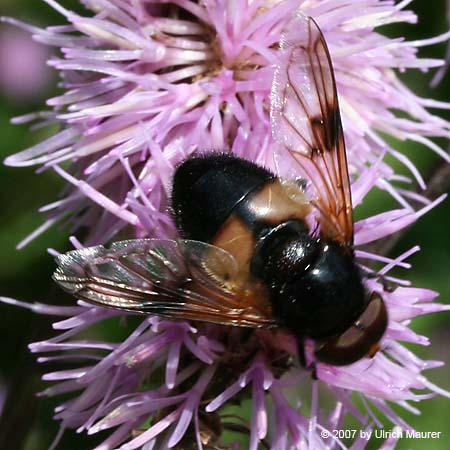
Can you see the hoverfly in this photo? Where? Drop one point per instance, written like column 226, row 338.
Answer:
column 248, row 256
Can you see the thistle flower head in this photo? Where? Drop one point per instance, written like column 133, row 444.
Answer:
column 146, row 84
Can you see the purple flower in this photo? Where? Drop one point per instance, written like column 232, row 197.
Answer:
column 147, row 84
column 25, row 74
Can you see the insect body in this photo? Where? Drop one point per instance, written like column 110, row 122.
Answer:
column 249, row 255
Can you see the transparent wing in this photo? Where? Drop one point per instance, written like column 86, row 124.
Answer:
column 178, row 279
column 306, row 122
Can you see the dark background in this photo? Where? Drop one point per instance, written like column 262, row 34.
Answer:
column 26, row 422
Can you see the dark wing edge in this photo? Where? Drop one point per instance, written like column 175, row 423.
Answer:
column 175, row 279
column 306, row 121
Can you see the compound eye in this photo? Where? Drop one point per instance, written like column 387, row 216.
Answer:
column 360, row 340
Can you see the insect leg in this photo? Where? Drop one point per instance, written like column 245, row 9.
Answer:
column 301, row 352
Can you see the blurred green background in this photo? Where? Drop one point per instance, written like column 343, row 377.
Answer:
column 26, row 421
